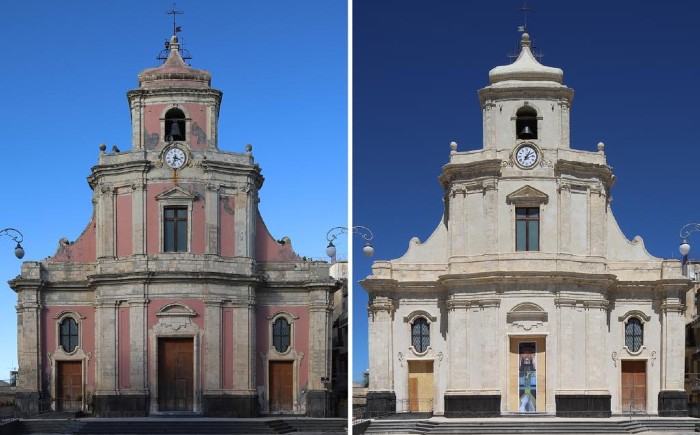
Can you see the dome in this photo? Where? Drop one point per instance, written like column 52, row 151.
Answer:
column 525, row 68
column 174, row 72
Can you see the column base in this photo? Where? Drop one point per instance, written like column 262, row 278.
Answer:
column 673, row 403
column 230, row 405
column 583, row 405
column 27, row 403
column 472, row 405
column 120, row 405
column 380, row 403
column 319, row 403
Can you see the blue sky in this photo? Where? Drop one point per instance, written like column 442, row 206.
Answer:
column 417, row 66
column 67, row 66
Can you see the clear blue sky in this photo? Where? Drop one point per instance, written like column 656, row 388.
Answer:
column 66, row 68
column 417, row 66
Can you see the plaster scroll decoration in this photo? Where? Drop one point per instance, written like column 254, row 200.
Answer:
column 653, row 358
column 301, row 358
column 401, row 359
column 440, row 356
column 614, row 358
column 544, row 163
column 226, row 200
column 158, row 163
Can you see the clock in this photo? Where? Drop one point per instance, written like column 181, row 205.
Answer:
column 175, row 158
column 526, row 156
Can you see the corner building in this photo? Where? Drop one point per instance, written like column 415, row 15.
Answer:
column 175, row 298
column 527, row 297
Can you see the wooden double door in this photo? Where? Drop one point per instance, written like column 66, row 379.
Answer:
column 281, row 383
column 175, row 374
column 634, row 386
column 420, row 385
column 69, row 385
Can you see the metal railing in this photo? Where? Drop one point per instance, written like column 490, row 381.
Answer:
column 415, row 405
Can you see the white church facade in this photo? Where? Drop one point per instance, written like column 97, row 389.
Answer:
column 527, row 297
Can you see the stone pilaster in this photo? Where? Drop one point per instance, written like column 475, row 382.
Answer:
column 104, row 209
column 211, row 200
column 564, row 217
column 490, row 193
column 381, row 397
column 320, row 351
column 212, row 345
column 105, row 357
column 596, row 331
column 458, row 221
column 458, row 361
column 138, row 217
column 673, row 400
column 598, row 220
column 138, row 363
column 244, row 347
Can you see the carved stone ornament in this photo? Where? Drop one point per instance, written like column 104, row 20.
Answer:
column 401, row 359
column 614, row 358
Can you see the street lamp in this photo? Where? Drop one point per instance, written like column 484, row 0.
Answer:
column 363, row 232
column 17, row 237
column 684, row 248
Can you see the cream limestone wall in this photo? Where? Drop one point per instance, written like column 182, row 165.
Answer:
column 575, row 292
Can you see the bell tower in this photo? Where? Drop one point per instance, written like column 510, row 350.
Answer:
column 174, row 102
column 526, row 101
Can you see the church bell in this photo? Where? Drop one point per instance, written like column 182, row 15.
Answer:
column 526, row 132
column 174, row 131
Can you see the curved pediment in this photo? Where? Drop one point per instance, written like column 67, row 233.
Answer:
column 527, row 311
column 176, row 309
column 527, row 195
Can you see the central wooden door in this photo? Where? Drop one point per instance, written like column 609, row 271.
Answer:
column 420, row 386
column 281, row 386
column 175, row 374
column 69, row 385
column 634, row 386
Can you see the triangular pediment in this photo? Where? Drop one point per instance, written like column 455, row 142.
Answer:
column 527, row 195
column 177, row 193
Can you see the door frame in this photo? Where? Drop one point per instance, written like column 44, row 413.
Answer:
column 294, row 385
column 513, row 379
column 175, row 321
column 54, row 393
column 646, row 383
column 433, row 406
column 157, row 392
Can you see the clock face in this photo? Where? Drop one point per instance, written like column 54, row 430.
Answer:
column 526, row 156
column 175, row 158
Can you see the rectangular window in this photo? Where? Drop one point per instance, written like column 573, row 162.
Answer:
column 175, row 229
column 527, row 229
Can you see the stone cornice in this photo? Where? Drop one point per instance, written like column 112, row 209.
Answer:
column 379, row 284
column 540, row 277
column 170, row 276
column 253, row 171
column 530, row 91
column 583, row 170
column 452, row 172
column 453, row 303
column 107, row 169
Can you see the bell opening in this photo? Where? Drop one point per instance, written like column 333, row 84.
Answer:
column 174, row 125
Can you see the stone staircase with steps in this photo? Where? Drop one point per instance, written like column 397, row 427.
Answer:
column 555, row 426
column 183, row 426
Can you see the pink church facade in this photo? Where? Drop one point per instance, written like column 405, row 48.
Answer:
column 175, row 298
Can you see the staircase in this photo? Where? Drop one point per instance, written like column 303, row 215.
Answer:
column 525, row 426
column 189, row 426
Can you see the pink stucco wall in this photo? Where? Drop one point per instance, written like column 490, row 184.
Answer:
column 153, row 217
column 300, row 334
column 49, row 333
column 266, row 247
column 226, row 227
column 227, row 339
column 124, row 348
column 82, row 250
column 123, row 218
column 196, row 136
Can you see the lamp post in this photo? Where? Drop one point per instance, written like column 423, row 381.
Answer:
column 684, row 248
column 363, row 232
column 17, row 237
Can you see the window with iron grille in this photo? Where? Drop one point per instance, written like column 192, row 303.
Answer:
column 420, row 333
column 281, row 334
column 175, row 229
column 69, row 334
column 634, row 334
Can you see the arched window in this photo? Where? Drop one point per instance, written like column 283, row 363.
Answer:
column 634, row 334
column 420, row 334
column 174, row 125
column 69, row 334
column 281, row 334
column 526, row 123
